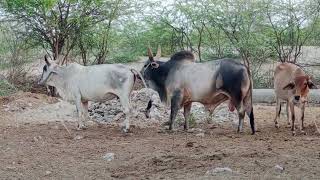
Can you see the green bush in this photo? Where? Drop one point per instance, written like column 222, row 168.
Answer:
column 123, row 58
column 6, row 88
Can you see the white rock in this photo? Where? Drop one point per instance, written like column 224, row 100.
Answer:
column 108, row 157
column 279, row 168
column 200, row 134
column 78, row 137
column 192, row 130
column 48, row 173
column 218, row 170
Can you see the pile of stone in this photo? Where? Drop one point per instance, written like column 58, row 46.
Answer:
column 111, row 111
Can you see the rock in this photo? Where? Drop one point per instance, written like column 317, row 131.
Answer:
column 193, row 130
column 108, row 157
column 118, row 116
column 200, row 135
column 11, row 167
column 36, row 139
column 78, row 137
column 279, row 168
column 48, row 173
column 218, row 170
column 190, row 144
column 155, row 114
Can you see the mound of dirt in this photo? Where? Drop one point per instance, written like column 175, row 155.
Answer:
column 22, row 101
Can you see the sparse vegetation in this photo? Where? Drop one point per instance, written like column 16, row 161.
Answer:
column 6, row 88
column 118, row 31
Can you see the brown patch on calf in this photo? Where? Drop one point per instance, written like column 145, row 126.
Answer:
column 301, row 85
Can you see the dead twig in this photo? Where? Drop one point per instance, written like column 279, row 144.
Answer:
column 64, row 125
column 315, row 124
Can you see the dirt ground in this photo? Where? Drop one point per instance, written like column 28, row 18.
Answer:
column 47, row 151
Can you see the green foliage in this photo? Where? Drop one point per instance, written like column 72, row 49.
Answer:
column 192, row 121
column 6, row 88
column 119, row 31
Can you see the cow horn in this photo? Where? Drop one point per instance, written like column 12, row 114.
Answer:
column 150, row 54
column 46, row 60
column 158, row 55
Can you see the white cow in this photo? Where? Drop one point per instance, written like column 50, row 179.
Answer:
column 98, row 83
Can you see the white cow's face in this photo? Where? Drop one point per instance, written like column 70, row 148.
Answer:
column 48, row 70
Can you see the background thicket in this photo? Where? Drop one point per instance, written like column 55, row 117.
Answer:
column 113, row 31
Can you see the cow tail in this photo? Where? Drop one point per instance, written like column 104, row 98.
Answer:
column 137, row 73
column 249, row 105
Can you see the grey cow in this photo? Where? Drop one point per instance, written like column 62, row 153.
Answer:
column 98, row 83
column 180, row 81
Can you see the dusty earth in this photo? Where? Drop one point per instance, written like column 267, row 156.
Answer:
column 39, row 140
column 44, row 149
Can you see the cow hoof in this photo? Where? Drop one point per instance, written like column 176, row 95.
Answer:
column 277, row 126
column 125, row 130
column 240, row 131
column 186, row 128
column 81, row 127
column 303, row 132
column 293, row 133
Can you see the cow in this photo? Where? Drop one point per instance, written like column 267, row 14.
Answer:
column 291, row 85
column 99, row 83
column 181, row 81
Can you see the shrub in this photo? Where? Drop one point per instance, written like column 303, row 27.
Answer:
column 6, row 88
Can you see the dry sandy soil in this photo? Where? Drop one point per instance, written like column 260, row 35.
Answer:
column 45, row 150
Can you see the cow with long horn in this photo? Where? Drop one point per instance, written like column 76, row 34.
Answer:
column 180, row 81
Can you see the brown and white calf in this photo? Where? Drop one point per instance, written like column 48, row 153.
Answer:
column 291, row 84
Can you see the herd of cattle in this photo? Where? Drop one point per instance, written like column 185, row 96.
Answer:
column 179, row 82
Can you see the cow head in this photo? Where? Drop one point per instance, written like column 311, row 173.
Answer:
column 150, row 64
column 299, row 88
column 49, row 69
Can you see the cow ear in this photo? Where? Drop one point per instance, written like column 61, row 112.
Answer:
column 311, row 85
column 46, row 60
column 289, row 86
column 150, row 54
column 154, row 64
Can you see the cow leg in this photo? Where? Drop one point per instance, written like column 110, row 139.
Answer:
column 302, row 119
column 175, row 106
column 186, row 113
column 80, row 110
column 278, row 111
column 292, row 118
column 85, row 108
column 288, row 115
column 125, row 102
column 241, row 114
